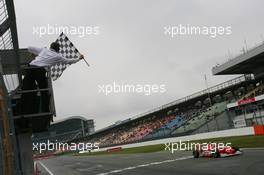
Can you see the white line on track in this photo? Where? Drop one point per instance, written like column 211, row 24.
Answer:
column 145, row 165
column 46, row 168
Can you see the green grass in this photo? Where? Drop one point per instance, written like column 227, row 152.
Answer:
column 238, row 141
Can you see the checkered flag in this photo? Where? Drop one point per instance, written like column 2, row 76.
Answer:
column 67, row 50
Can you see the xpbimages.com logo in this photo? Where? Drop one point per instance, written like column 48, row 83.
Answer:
column 187, row 29
column 187, row 146
column 59, row 146
column 80, row 31
column 146, row 89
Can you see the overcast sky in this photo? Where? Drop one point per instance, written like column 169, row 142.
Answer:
column 132, row 48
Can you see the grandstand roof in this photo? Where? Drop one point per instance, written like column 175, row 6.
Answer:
column 69, row 118
column 250, row 62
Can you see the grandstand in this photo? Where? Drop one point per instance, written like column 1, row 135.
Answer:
column 204, row 111
column 66, row 130
column 236, row 103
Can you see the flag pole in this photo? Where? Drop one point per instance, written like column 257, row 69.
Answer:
column 86, row 62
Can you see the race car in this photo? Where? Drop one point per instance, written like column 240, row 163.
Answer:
column 211, row 150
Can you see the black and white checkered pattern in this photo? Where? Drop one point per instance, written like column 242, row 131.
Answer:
column 67, row 50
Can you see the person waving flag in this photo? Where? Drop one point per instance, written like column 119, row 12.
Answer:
column 68, row 51
column 56, row 59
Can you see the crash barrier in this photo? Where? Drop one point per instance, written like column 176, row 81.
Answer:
column 259, row 129
column 115, row 149
column 43, row 156
column 216, row 134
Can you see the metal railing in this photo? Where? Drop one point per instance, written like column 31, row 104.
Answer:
column 49, row 90
column 9, row 157
column 3, row 11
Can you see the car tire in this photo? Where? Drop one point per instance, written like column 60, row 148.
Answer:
column 236, row 148
column 216, row 154
column 196, row 154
